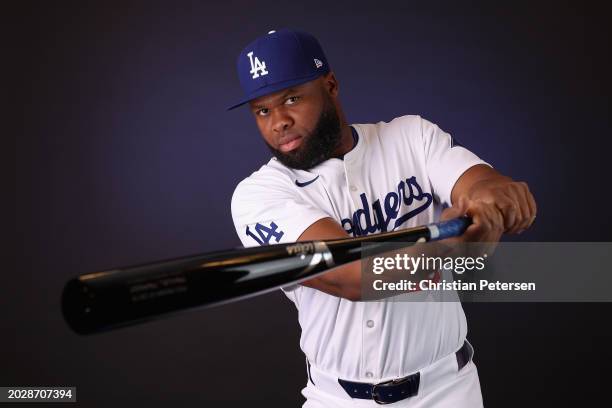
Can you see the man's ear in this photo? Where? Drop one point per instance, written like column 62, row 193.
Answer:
column 330, row 83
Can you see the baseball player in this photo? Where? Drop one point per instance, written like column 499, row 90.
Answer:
column 328, row 179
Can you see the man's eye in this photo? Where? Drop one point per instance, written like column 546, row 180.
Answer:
column 263, row 112
column 291, row 100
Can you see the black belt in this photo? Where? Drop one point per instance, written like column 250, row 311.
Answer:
column 396, row 390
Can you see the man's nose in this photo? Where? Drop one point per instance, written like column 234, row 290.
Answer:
column 281, row 120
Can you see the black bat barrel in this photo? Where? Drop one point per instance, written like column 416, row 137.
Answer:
column 103, row 300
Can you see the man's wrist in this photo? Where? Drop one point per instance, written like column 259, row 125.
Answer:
column 482, row 186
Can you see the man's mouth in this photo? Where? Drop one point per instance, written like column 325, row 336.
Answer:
column 291, row 143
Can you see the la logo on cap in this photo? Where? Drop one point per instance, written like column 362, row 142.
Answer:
column 257, row 67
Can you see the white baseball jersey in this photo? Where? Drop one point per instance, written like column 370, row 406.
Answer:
column 398, row 175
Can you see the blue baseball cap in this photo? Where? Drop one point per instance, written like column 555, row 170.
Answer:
column 278, row 60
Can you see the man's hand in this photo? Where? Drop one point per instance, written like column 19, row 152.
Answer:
column 513, row 200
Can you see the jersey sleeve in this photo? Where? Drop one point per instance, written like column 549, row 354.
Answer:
column 266, row 211
column 446, row 160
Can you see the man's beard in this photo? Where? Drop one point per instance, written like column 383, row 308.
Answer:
column 316, row 147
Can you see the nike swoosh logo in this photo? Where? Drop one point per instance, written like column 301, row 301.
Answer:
column 304, row 184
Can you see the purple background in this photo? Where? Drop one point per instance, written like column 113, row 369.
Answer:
column 125, row 154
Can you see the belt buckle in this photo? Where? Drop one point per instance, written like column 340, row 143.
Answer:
column 375, row 393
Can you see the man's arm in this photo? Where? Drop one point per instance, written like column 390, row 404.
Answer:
column 495, row 202
column 343, row 281
column 346, row 280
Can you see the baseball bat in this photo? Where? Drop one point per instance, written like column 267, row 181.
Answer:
column 100, row 301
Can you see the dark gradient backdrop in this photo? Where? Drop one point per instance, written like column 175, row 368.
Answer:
column 126, row 155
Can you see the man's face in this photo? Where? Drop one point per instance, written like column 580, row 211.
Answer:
column 300, row 125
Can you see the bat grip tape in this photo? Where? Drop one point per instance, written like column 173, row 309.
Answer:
column 448, row 229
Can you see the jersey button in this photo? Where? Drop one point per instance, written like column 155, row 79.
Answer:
column 369, row 374
column 370, row 323
column 353, row 188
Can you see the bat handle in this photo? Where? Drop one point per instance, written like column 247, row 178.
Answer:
column 449, row 228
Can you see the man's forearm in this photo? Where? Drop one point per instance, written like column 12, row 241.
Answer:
column 347, row 280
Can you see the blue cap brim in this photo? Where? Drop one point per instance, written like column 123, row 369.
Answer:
column 268, row 89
